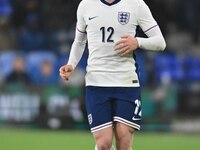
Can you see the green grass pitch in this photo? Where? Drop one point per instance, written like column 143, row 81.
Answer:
column 20, row 139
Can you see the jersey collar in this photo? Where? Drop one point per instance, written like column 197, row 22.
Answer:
column 110, row 4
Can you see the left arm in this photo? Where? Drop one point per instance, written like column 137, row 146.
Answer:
column 155, row 40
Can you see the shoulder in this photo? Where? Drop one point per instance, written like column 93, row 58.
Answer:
column 138, row 5
column 87, row 2
column 141, row 2
column 84, row 4
column 134, row 4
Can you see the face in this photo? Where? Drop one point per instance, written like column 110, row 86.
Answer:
column 46, row 68
column 19, row 64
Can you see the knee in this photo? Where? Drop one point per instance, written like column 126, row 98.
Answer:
column 103, row 143
column 103, row 138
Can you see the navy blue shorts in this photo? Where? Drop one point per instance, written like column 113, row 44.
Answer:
column 106, row 105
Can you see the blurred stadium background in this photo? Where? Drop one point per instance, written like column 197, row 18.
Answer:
column 35, row 40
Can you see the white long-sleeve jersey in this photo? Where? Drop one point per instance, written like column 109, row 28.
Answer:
column 102, row 25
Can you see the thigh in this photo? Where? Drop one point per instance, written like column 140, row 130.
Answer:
column 122, row 130
column 127, row 109
column 99, row 108
column 123, row 136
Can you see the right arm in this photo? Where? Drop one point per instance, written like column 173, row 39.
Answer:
column 78, row 46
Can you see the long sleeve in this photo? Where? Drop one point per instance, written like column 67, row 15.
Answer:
column 155, row 40
column 80, row 39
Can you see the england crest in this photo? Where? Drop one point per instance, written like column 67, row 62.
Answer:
column 123, row 17
column 90, row 118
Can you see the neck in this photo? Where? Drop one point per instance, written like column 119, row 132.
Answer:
column 109, row 1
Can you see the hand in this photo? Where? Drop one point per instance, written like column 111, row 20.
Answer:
column 66, row 71
column 126, row 45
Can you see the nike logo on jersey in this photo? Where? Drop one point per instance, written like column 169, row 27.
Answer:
column 136, row 118
column 90, row 18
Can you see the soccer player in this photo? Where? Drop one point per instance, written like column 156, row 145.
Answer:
column 113, row 99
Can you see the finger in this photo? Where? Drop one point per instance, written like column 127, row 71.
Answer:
column 121, row 51
column 62, row 69
column 121, row 46
column 64, row 76
column 120, row 42
column 125, row 36
column 68, row 68
column 63, row 72
column 125, row 53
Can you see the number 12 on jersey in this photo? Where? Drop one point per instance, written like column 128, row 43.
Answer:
column 107, row 37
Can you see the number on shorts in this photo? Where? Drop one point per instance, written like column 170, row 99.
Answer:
column 137, row 108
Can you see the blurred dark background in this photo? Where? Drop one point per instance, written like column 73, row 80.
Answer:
column 35, row 40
